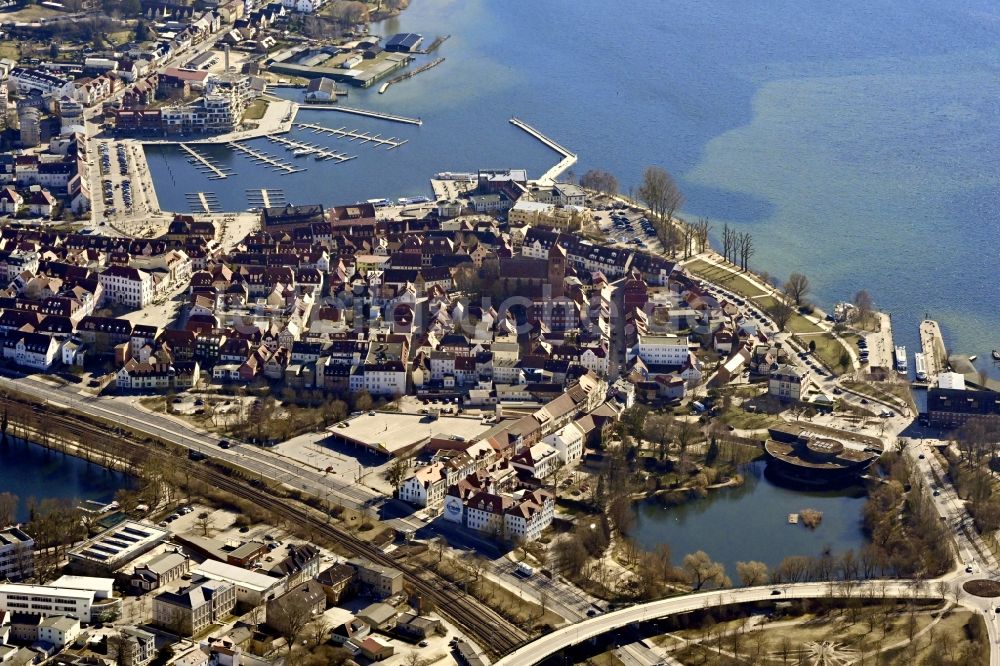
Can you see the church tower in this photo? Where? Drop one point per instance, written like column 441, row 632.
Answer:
column 557, row 270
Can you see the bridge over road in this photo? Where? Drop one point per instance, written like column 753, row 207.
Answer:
column 552, row 643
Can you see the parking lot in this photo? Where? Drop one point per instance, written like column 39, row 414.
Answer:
column 626, row 226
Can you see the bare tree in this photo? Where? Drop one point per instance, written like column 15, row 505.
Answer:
column 8, row 508
column 797, row 288
column 865, row 306
column 703, row 572
column 744, row 242
column 601, row 181
column 727, row 240
column 781, row 312
column 397, row 472
column 289, row 614
column 752, row 573
column 660, row 193
column 702, row 227
column 204, row 522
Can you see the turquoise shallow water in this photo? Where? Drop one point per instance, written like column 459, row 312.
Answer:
column 856, row 140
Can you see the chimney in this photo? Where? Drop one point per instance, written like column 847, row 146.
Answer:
column 227, row 58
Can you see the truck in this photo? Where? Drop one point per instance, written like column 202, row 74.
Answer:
column 523, row 570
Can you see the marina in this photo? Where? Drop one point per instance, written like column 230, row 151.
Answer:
column 569, row 157
column 300, row 149
column 204, row 164
column 277, row 164
column 381, row 115
column 353, row 135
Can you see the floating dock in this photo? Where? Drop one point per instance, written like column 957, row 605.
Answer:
column 203, row 202
column 365, row 112
column 300, row 149
column 264, row 198
column 263, row 158
column 204, row 164
column 352, row 135
column 569, row 157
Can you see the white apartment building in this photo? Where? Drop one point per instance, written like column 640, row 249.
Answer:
column 526, row 520
column 426, row 486
column 539, row 460
column 17, row 560
column 568, row 442
column 127, row 286
column 45, row 601
column 661, row 349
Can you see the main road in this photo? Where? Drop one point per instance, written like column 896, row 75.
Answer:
column 266, row 464
column 561, row 639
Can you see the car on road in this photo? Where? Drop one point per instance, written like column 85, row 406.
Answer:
column 591, row 612
column 921, row 456
column 968, row 569
column 224, row 444
column 837, row 390
column 937, row 493
column 864, row 401
column 775, row 592
column 423, row 644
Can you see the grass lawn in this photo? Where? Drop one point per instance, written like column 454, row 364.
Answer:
column 120, row 37
column 30, row 13
column 829, row 350
column 735, row 283
column 256, row 110
column 9, row 49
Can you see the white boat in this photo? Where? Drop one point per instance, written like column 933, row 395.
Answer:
column 301, row 152
column 901, row 366
column 920, row 367
column 973, row 358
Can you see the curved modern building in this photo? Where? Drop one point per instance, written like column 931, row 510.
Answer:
column 816, row 454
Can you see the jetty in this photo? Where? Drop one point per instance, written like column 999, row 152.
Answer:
column 365, row 112
column 261, row 157
column 569, row 157
column 438, row 41
column 932, row 346
column 410, row 74
column 203, row 202
column 265, row 198
column 203, row 163
column 353, row 135
column 300, row 149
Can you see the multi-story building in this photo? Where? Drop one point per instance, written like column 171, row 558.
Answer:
column 47, row 600
column 426, row 486
column 127, row 286
column 59, row 630
column 567, row 441
column 384, row 581
column 526, row 520
column 654, row 350
column 17, row 557
column 26, row 81
column 788, row 383
column 189, row 611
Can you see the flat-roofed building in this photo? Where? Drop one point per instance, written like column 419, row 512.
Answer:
column 109, row 551
column 17, row 556
column 46, row 600
column 251, row 587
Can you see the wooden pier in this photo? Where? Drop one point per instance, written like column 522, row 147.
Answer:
column 568, row 160
column 353, row 135
column 203, row 202
column 365, row 112
column 301, row 149
column 263, row 158
column 203, row 163
column 264, row 198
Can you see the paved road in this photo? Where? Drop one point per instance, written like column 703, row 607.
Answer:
column 265, row 463
column 561, row 639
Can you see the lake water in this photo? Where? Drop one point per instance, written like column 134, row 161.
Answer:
column 856, row 140
column 750, row 522
column 29, row 470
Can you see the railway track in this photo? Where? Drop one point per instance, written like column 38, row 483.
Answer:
column 482, row 624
